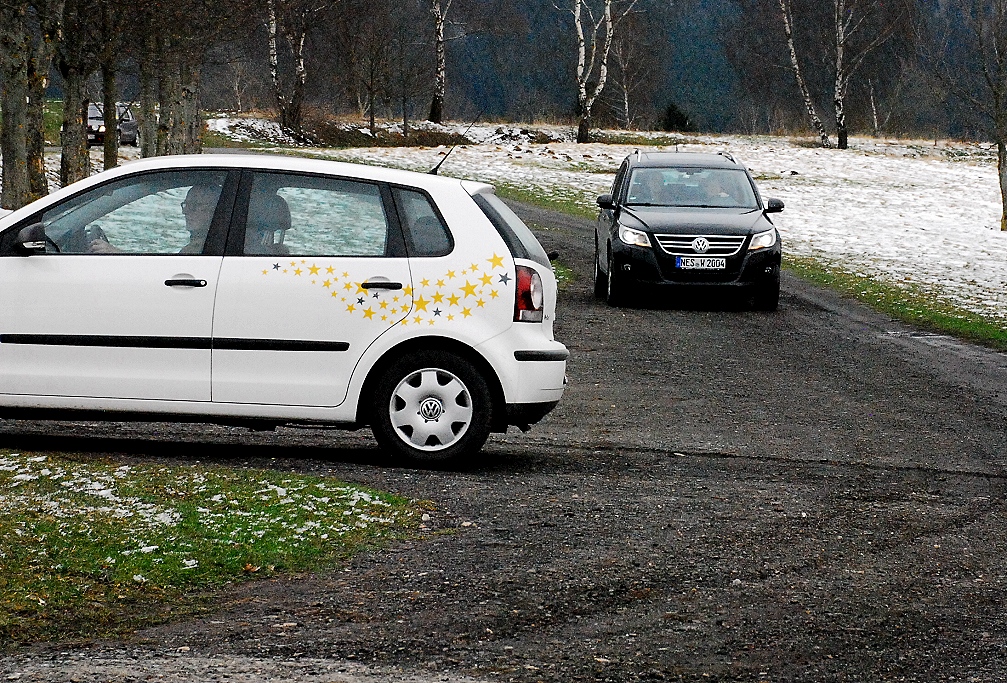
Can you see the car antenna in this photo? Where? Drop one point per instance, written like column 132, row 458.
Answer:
column 433, row 171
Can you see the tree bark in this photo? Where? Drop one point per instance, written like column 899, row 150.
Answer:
column 42, row 53
column 14, row 47
column 289, row 106
column 148, row 126
column 1002, row 175
column 75, row 163
column 795, row 66
column 111, row 115
column 839, row 92
column 590, row 55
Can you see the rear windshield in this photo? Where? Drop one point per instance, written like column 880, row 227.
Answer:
column 515, row 233
column 724, row 188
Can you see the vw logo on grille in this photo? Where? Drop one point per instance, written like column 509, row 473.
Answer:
column 431, row 409
column 700, row 245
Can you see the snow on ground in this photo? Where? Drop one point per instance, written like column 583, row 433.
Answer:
column 915, row 213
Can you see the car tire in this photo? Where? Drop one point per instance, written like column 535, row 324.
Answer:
column 600, row 279
column 431, row 406
column 615, row 289
column 767, row 296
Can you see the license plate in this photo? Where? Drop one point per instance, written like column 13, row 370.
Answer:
column 700, row 263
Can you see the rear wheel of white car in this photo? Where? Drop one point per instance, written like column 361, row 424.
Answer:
column 432, row 406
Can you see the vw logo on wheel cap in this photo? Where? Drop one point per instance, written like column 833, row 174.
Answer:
column 431, row 409
column 700, row 245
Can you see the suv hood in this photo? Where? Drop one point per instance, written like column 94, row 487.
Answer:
column 662, row 219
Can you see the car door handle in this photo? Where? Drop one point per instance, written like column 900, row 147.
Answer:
column 381, row 284
column 185, row 282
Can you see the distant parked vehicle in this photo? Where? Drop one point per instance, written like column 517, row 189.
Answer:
column 128, row 128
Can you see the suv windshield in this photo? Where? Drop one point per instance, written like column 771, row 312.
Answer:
column 724, row 188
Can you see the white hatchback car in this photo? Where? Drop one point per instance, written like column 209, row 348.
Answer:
column 259, row 291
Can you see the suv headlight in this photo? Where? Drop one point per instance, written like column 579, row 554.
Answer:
column 636, row 238
column 763, row 240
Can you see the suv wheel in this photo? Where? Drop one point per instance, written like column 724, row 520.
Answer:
column 600, row 279
column 767, row 295
column 431, row 406
column 615, row 294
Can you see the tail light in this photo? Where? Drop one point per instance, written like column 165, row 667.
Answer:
column 529, row 297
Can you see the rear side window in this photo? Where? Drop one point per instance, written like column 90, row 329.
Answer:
column 426, row 234
column 290, row 214
column 515, row 233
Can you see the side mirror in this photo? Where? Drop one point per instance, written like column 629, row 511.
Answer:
column 31, row 239
column 774, row 205
column 605, row 202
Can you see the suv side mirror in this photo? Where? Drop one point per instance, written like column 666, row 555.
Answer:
column 31, row 240
column 605, row 202
column 774, row 205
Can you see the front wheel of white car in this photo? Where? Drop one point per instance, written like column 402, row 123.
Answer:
column 431, row 406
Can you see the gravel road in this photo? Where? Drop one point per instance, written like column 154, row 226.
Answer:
column 809, row 495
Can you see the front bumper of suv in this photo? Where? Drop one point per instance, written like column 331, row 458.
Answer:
column 653, row 267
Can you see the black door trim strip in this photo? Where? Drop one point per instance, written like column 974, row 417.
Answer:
column 541, row 355
column 145, row 342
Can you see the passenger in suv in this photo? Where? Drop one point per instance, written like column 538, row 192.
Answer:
column 686, row 222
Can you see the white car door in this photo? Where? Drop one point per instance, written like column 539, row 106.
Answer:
column 124, row 308
column 321, row 274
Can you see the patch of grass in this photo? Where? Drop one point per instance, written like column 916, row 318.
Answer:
column 572, row 204
column 564, row 274
column 212, row 138
column 91, row 548
column 52, row 120
column 910, row 304
column 643, row 140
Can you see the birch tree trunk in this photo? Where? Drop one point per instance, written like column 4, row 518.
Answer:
column 14, row 48
column 795, row 65
column 839, row 91
column 289, row 105
column 440, row 14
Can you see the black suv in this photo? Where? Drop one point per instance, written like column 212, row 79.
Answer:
column 678, row 221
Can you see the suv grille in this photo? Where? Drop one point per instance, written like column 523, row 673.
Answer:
column 720, row 245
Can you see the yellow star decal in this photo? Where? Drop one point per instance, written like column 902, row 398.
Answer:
column 335, row 294
column 383, row 304
column 440, row 283
column 466, row 312
column 421, row 304
column 293, row 263
column 469, row 289
column 474, row 267
column 451, row 316
column 480, row 303
column 431, row 321
column 327, row 284
column 351, row 308
column 384, row 317
column 425, row 282
column 487, row 279
column 313, row 269
column 438, row 297
column 348, row 286
column 346, row 274
column 453, row 299
column 361, row 289
column 368, row 314
column 330, row 270
column 496, row 261
column 450, row 275
column 494, row 294
column 417, row 320
column 298, row 272
column 265, row 272
column 407, row 290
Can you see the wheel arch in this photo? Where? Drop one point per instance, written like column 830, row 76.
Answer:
column 434, row 343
